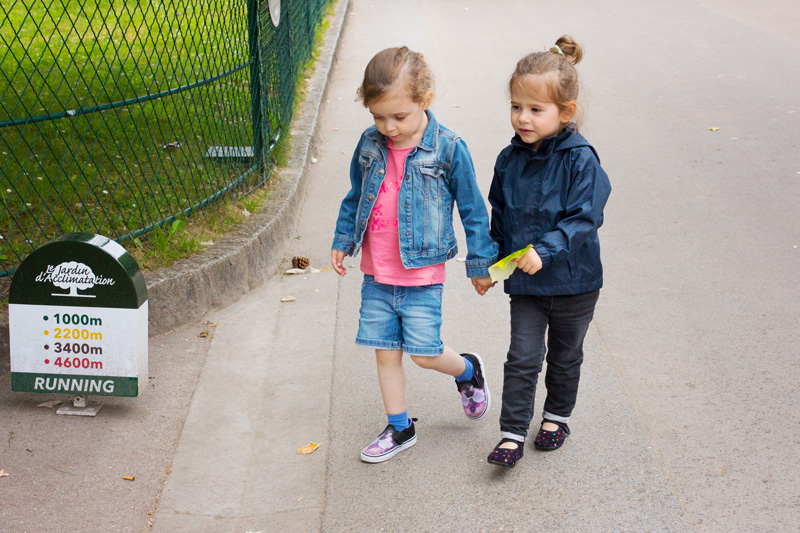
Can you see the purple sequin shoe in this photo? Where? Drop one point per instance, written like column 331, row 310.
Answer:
column 475, row 395
column 389, row 443
column 506, row 456
column 551, row 440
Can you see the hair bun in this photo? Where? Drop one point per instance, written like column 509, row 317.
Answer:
column 567, row 48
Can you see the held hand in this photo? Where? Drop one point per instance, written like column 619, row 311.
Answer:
column 480, row 290
column 337, row 256
column 482, row 284
column 530, row 263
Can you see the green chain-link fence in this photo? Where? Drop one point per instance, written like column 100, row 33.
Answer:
column 117, row 116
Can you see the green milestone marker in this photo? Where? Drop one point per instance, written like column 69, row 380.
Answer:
column 78, row 320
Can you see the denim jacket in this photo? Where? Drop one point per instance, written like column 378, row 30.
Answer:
column 438, row 172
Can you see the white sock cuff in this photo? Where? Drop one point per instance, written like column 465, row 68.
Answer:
column 555, row 418
column 512, row 436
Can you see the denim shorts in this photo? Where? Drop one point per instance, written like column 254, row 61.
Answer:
column 401, row 318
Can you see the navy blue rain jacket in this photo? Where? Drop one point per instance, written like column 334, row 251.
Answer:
column 552, row 198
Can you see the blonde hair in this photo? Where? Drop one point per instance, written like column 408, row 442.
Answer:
column 393, row 65
column 555, row 69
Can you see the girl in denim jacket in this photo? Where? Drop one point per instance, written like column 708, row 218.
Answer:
column 406, row 174
column 548, row 191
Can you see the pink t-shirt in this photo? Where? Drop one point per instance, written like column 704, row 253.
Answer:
column 381, row 249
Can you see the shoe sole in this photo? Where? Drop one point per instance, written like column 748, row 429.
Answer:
column 485, row 389
column 390, row 453
column 500, row 463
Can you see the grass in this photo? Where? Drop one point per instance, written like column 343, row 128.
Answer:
column 119, row 170
column 114, row 171
column 182, row 240
column 185, row 237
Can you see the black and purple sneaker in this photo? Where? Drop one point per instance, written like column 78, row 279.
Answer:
column 475, row 397
column 389, row 443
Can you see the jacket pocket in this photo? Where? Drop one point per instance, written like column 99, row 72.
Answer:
column 433, row 181
column 365, row 161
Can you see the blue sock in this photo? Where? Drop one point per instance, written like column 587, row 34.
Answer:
column 400, row 421
column 469, row 371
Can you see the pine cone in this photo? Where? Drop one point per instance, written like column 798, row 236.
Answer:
column 300, row 262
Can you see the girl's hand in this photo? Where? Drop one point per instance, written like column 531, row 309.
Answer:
column 337, row 256
column 530, row 263
column 482, row 284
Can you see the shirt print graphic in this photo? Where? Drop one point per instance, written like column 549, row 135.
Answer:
column 382, row 218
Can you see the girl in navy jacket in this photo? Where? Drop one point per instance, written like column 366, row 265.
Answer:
column 548, row 191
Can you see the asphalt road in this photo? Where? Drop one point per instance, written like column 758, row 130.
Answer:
column 687, row 416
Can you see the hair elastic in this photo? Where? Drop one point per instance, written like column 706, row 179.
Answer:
column 558, row 50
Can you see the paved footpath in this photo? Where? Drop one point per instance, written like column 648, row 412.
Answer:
column 280, row 375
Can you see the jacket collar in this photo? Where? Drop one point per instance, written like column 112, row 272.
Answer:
column 569, row 138
column 430, row 138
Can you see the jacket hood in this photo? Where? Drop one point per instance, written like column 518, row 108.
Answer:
column 566, row 140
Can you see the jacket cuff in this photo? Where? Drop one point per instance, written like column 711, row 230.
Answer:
column 344, row 244
column 544, row 255
column 479, row 268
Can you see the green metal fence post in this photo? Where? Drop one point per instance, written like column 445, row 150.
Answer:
column 255, row 77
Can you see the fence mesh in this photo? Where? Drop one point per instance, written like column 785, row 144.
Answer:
column 117, row 116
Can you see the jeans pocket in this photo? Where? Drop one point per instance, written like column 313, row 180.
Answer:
column 436, row 289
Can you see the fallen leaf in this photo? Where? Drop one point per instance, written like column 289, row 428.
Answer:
column 50, row 404
column 308, row 448
column 3, row 473
column 202, row 335
column 713, row 128
column 289, row 298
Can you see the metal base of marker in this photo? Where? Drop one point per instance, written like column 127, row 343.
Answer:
column 80, row 407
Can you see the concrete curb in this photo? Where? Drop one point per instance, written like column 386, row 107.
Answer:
column 245, row 258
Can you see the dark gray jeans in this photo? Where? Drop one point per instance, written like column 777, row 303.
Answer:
column 565, row 320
